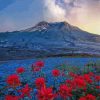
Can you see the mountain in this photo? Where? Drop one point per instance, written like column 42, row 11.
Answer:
column 48, row 39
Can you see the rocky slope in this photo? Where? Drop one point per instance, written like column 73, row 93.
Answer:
column 48, row 39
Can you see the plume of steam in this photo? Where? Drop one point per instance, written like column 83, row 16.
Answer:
column 53, row 12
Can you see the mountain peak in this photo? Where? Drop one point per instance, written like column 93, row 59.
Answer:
column 40, row 26
column 60, row 26
column 64, row 22
column 42, row 23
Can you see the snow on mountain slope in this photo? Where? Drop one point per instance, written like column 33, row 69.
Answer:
column 49, row 38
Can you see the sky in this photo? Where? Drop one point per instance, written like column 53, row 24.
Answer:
column 22, row 14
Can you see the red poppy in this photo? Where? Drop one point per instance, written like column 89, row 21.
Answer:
column 71, row 83
column 91, row 74
column 90, row 97
column 39, row 64
column 97, row 87
column 87, row 78
column 97, row 78
column 68, row 81
column 82, row 98
column 36, row 69
column 10, row 97
column 13, row 80
column 45, row 94
column 55, row 72
column 25, row 91
column 20, row 70
column 40, row 82
column 80, row 82
column 71, row 74
column 65, row 91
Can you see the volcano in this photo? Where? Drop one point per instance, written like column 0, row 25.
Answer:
column 48, row 39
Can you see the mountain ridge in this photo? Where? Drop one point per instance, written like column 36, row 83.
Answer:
column 57, row 38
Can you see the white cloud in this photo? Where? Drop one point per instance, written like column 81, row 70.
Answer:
column 26, row 13
column 53, row 12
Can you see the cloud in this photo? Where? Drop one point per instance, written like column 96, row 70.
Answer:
column 82, row 13
column 61, row 10
column 74, row 11
column 26, row 13
column 52, row 11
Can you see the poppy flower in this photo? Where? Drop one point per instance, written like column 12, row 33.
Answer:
column 91, row 74
column 10, row 97
column 25, row 91
column 90, row 97
column 20, row 70
column 97, row 87
column 36, row 69
column 82, row 98
column 97, row 78
column 55, row 72
column 87, row 78
column 65, row 91
column 13, row 80
column 71, row 83
column 72, row 74
column 68, row 81
column 80, row 82
column 39, row 64
column 40, row 82
column 45, row 94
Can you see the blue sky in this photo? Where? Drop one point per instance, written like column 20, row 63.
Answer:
column 18, row 14
column 5, row 4
column 21, row 14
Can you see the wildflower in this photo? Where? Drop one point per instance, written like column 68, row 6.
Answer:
column 80, row 82
column 72, row 74
column 97, row 78
column 71, row 83
column 11, row 97
column 90, row 97
column 36, row 69
column 97, row 87
column 65, row 91
column 20, row 70
column 40, row 82
column 25, row 91
column 45, row 94
column 55, row 72
column 87, row 78
column 91, row 74
column 13, row 80
column 68, row 81
column 39, row 64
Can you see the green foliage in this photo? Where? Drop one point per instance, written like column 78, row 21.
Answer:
column 68, row 68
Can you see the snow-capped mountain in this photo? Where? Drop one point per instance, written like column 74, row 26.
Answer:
column 45, row 39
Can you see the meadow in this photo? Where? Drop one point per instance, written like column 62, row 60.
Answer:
column 53, row 78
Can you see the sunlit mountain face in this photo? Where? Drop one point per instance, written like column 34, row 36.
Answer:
column 20, row 14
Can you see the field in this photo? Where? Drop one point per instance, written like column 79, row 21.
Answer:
column 64, row 65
